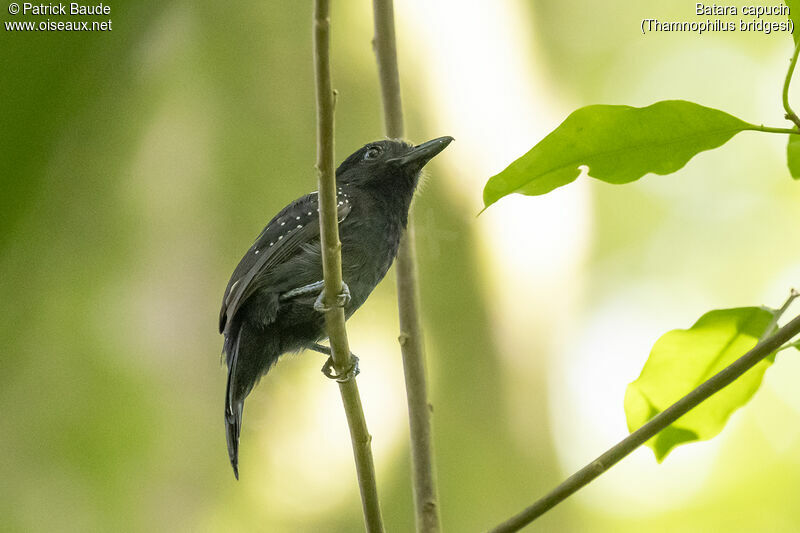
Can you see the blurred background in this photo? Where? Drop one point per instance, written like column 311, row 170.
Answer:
column 139, row 164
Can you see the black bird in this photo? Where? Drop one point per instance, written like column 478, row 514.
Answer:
column 271, row 305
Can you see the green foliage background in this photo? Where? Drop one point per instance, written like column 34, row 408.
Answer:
column 137, row 166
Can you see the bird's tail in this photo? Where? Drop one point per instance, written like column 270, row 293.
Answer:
column 233, row 424
column 233, row 407
column 250, row 352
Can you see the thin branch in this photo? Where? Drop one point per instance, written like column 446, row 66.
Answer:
column 411, row 342
column 773, row 324
column 790, row 114
column 594, row 469
column 332, row 268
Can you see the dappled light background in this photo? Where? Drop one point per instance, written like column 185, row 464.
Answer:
column 137, row 166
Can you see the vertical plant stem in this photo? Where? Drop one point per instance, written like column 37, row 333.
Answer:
column 385, row 45
column 411, row 341
column 332, row 268
column 790, row 114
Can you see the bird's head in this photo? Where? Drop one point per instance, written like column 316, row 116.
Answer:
column 390, row 165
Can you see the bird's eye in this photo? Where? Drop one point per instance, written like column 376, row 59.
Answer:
column 372, row 153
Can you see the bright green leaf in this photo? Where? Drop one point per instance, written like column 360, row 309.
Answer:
column 619, row 144
column 793, row 156
column 682, row 359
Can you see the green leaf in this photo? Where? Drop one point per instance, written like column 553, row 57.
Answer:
column 794, row 15
column 682, row 359
column 619, row 144
column 793, row 155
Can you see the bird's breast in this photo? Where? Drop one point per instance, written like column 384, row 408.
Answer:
column 368, row 250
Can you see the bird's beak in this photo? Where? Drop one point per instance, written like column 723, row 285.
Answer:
column 419, row 156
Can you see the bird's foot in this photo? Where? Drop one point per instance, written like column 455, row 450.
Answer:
column 342, row 299
column 328, row 368
column 344, row 376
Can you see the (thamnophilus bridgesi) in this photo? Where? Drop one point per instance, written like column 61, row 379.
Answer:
column 273, row 302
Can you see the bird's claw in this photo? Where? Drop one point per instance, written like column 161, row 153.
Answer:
column 342, row 299
column 343, row 377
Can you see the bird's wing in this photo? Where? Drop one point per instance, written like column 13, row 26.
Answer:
column 296, row 224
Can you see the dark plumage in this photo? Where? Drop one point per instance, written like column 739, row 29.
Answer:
column 268, row 306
